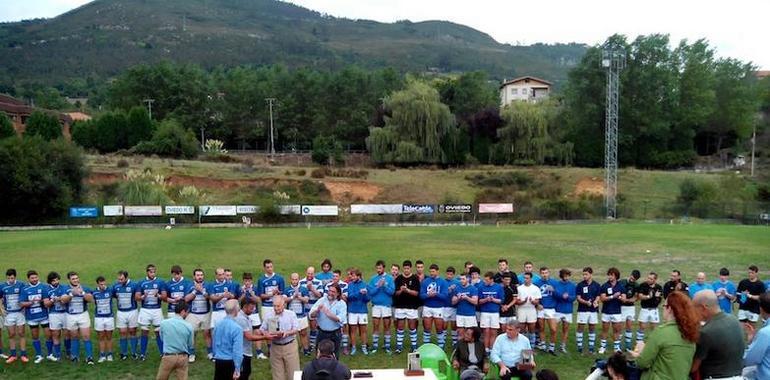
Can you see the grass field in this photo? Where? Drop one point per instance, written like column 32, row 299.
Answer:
column 690, row 248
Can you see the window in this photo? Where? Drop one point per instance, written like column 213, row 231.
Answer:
column 514, row 91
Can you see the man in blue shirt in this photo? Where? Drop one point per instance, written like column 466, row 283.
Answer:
column 104, row 321
column 358, row 309
column 465, row 299
column 200, row 310
column 78, row 320
column 725, row 290
column 528, row 268
column 381, row 289
column 491, row 295
column 546, row 310
column 228, row 344
column 297, row 298
column 57, row 314
column 315, row 290
column 509, row 352
column 331, row 313
column 450, row 310
column 36, row 314
column 150, row 293
column 270, row 284
column 700, row 284
column 10, row 291
column 587, row 295
column 612, row 295
column 219, row 293
column 758, row 353
column 124, row 290
column 176, row 289
column 564, row 293
column 326, row 272
column 434, row 295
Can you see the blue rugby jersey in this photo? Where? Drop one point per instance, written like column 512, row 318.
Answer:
column 151, row 290
column 494, row 291
column 317, row 285
column 465, row 308
column 54, row 294
column 200, row 304
column 296, row 305
column 103, row 302
column 564, row 305
column 612, row 305
column 547, row 288
column 588, row 292
column 177, row 290
column 217, row 288
column 78, row 303
column 438, row 285
column 11, row 293
column 125, row 293
column 35, row 294
column 267, row 284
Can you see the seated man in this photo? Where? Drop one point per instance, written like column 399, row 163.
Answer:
column 470, row 356
column 508, row 353
column 325, row 365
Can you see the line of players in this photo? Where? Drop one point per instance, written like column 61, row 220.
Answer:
column 454, row 302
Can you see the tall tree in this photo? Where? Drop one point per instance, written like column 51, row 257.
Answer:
column 6, row 127
column 43, row 125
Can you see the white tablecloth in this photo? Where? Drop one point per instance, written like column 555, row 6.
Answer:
column 383, row 374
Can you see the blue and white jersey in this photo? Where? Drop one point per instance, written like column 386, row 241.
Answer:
column 535, row 278
column 317, row 285
column 125, row 293
column 465, row 308
column 177, row 290
column 151, row 290
column 35, row 294
column 217, row 288
column 54, row 294
column 588, row 292
column 103, row 302
column 200, row 304
column 78, row 303
column 612, row 305
column 235, row 288
column 267, row 285
column 452, row 286
column 325, row 277
column 296, row 305
column 343, row 288
column 547, row 288
column 11, row 293
column 437, row 285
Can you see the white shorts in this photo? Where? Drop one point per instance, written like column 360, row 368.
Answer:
column 39, row 322
column 104, row 323
column 450, row 314
column 490, row 321
column 546, row 314
column 199, row 321
column 466, row 321
column 150, row 317
column 614, row 318
column 433, row 312
column 127, row 319
column 589, row 317
column 526, row 314
column 78, row 321
column 15, row 318
column 57, row 321
column 649, row 316
column 743, row 315
column 255, row 320
column 505, row 320
column 406, row 314
column 562, row 317
column 216, row 317
column 355, row 319
column 628, row 313
column 302, row 323
column 382, row 311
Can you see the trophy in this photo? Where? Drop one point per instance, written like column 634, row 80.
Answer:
column 527, row 360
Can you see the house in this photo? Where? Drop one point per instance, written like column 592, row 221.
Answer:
column 762, row 74
column 526, row 88
column 19, row 112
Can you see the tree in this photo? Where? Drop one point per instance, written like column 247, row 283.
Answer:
column 139, row 125
column 736, row 102
column 327, row 150
column 6, row 127
column 43, row 125
column 170, row 140
column 468, row 94
column 84, row 134
column 524, row 137
column 697, row 94
column 111, row 132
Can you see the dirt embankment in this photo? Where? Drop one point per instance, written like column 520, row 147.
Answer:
column 590, row 186
column 344, row 192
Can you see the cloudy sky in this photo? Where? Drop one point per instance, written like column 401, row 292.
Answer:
column 737, row 28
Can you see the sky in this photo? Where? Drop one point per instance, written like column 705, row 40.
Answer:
column 737, row 28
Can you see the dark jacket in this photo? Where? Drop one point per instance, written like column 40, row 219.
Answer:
column 325, row 368
column 462, row 355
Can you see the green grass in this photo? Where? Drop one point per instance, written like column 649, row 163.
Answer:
column 690, row 248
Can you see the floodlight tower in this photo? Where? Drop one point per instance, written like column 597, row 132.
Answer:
column 614, row 60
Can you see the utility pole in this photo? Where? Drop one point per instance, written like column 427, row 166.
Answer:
column 614, row 60
column 753, row 145
column 270, row 102
column 149, row 106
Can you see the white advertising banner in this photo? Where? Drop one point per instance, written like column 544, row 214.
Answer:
column 244, row 209
column 143, row 210
column 218, row 210
column 114, row 210
column 180, row 210
column 377, row 209
column 495, row 208
column 320, row 210
column 290, row 209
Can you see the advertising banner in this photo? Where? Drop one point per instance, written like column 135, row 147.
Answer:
column 290, row 209
column 377, row 209
column 418, row 209
column 180, row 210
column 143, row 210
column 495, row 208
column 320, row 210
column 115, row 210
column 455, row 209
column 246, row 209
column 84, row 212
column 218, row 210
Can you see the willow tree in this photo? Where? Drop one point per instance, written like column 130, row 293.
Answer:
column 417, row 129
column 524, row 137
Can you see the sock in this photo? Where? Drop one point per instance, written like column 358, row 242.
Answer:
column 68, row 345
column 387, row 341
column 639, row 335
column 345, row 339
column 49, row 346
column 552, row 347
column 375, row 340
column 159, row 342
column 23, row 352
column 209, row 350
column 259, row 351
column 532, row 337
column 413, row 338
column 425, row 336
column 579, row 340
column 38, row 348
column 134, row 342
column 192, row 351
column 75, row 353
column 442, row 339
column 591, row 341
column 604, row 344
column 399, row 339
column 13, row 352
column 616, row 345
column 313, row 338
column 123, row 346
column 57, row 350
column 454, row 337
column 89, row 349
column 629, row 339
column 563, row 346
column 143, row 345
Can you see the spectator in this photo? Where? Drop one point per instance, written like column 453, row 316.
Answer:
column 700, row 284
column 470, row 357
column 676, row 284
column 669, row 350
column 719, row 352
column 228, row 344
column 283, row 325
column 508, row 353
column 758, row 353
column 177, row 335
column 248, row 308
column 617, row 367
column 330, row 313
column 725, row 290
column 546, row 374
column 749, row 290
column 325, row 365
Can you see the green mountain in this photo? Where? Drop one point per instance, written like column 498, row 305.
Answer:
column 103, row 38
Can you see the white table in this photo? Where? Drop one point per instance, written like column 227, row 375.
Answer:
column 383, row 374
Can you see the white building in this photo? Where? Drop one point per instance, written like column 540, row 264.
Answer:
column 527, row 88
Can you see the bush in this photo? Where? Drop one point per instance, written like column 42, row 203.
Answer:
column 43, row 125
column 494, row 179
column 170, row 140
column 320, row 172
column 122, row 163
column 327, row 150
column 143, row 188
column 84, row 134
column 6, row 127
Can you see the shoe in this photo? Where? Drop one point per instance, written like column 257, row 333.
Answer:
column 563, row 350
column 374, row 351
column 353, row 352
column 413, row 350
column 90, row 361
column 3, row 356
column 74, row 360
column 541, row 347
column 135, row 357
column 398, row 350
column 123, row 357
column 262, row 356
column 38, row 359
column 110, row 358
column 55, row 359
column 346, row 351
column 142, row 358
column 210, row 356
column 11, row 360
column 602, row 350
column 306, row 352
column 102, row 359
column 552, row 352
column 387, row 351
column 51, row 357
column 191, row 358
column 364, row 350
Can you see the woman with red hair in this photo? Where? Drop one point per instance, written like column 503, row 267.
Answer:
column 669, row 349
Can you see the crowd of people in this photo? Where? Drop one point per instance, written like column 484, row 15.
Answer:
column 491, row 319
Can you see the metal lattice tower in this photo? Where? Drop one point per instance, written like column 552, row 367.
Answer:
column 614, row 60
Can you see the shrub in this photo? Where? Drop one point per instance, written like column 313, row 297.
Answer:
column 320, row 172
column 122, row 163
column 327, row 150
column 43, row 125
column 496, row 179
column 6, row 127
column 143, row 188
column 170, row 140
